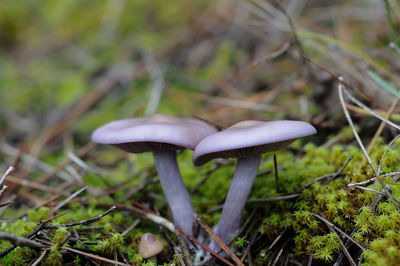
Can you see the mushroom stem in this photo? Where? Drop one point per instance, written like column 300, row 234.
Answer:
column 229, row 223
column 174, row 189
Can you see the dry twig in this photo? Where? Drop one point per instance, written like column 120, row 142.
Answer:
column 9, row 170
column 89, row 255
column 20, row 241
column 220, row 242
column 380, row 130
column 76, row 193
column 40, row 258
column 339, row 230
column 344, row 249
column 84, row 222
column 350, row 121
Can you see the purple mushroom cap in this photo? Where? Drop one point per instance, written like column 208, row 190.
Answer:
column 249, row 138
column 162, row 135
column 160, row 131
column 246, row 141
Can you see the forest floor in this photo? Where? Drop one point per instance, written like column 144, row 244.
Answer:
column 68, row 67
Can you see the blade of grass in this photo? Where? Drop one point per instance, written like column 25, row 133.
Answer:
column 389, row 17
column 383, row 84
column 356, row 51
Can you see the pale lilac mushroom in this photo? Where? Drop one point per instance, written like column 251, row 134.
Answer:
column 246, row 141
column 163, row 135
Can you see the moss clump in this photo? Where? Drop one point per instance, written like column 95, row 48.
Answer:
column 19, row 256
column 55, row 257
column 38, row 215
column 384, row 251
column 109, row 245
column 345, row 207
column 325, row 246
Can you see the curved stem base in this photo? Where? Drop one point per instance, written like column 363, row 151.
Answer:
column 229, row 223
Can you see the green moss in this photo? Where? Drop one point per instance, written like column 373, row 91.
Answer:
column 55, row 257
column 325, row 246
column 108, row 246
column 384, row 251
column 38, row 215
column 19, row 256
column 345, row 207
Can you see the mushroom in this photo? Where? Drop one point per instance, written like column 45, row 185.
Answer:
column 150, row 245
column 246, row 141
column 163, row 135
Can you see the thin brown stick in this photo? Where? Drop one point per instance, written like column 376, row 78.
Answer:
column 277, row 257
column 6, row 203
column 84, row 222
column 57, row 129
column 39, row 260
column 287, row 197
column 62, row 204
column 274, row 242
column 81, row 152
column 338, row 78
column 89, row 255
column 179, row 256
column 339, row 230
column 344, row 249
column 204, row 247
column 296, row 40
column 185, row 250
column 217, row 126
column 35, row 185
column 246, row 225
column 328, row 176
column 4, row 176
column 251, row 243
column 220, row 242
column 20, row 241
column 132, row 226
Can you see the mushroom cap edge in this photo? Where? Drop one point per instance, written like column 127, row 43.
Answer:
column 182, row 133
column 258, row 137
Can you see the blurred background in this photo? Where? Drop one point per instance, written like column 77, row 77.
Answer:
column 67, row 67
